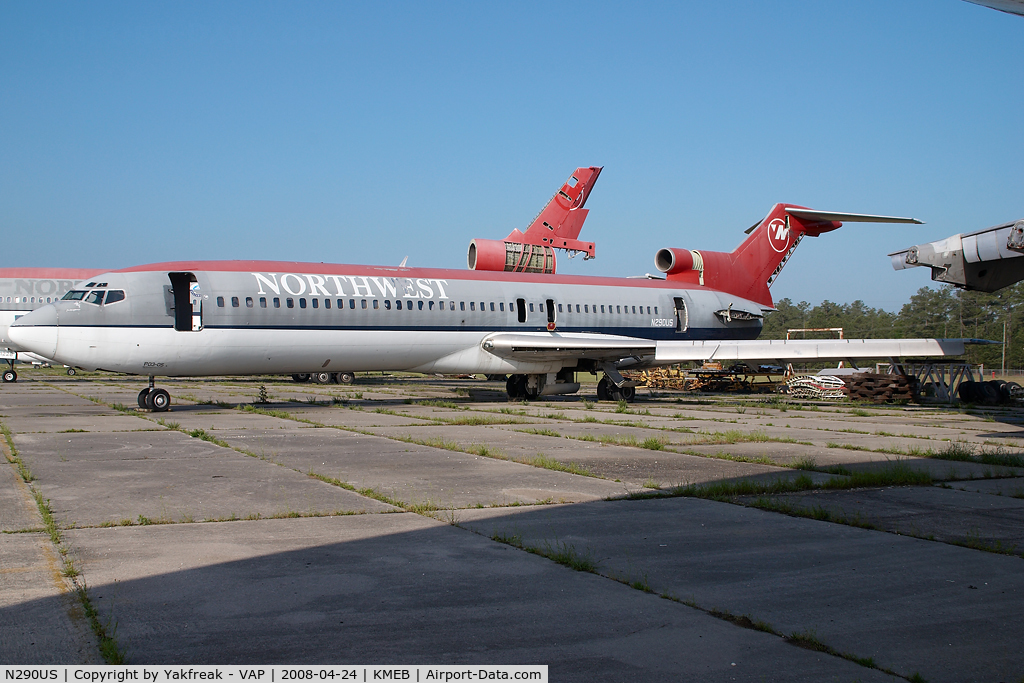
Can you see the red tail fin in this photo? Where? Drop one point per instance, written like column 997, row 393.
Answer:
column 559, row 223
column 750, row 270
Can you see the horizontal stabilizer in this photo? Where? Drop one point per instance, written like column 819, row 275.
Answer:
column 811, row 214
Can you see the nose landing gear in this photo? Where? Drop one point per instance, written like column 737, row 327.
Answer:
column 151, row 398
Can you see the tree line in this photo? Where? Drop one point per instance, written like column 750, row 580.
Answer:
column 943, row 312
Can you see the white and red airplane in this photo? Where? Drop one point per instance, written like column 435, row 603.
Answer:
column 509, row 314
column 23, row 290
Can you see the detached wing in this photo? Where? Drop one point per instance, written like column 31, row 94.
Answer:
column 569, row 347
column 808, row 349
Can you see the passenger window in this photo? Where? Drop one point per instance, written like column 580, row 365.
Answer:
column 112, row 296
column 302, row 302
column 420, row 304
column 577, row 308
column 277, row 302
column 234, row 302
column 540, row 307
column 655, row 310
column 501, row 306
column 586, row 308
column 492, row 305
column 263, row 302
column 341, row 304
column 472, row 305
column 559, row 308
column 398, row 304
column 376, row 304
column 482, row 307
column 430, row 306
column 220, row 301
column 316, row 303
column 531, row 307
column 451, row 306
column 387, row 304
column 618, row 309
column 363, row 303
column 634, row 310
column 248, row 302
column 289, row 302
column 462, row 305
column 327, row 303
column 602, row 308
column 95, row 297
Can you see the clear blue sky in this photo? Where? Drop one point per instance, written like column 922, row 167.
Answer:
column 361, row 133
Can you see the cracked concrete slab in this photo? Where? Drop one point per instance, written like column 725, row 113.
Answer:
column 914, row 606
column 404, row 588
column 172, row 478
column 418, row 474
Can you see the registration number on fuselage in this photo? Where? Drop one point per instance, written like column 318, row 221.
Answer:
column 663, row 322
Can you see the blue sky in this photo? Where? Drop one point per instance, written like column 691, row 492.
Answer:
column 362, row 133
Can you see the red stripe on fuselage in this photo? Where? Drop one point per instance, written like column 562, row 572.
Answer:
column 51, row 273
column 393, row 271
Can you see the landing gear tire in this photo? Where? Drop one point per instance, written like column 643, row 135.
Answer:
column 346, row 378
column 515, row 385
column 158, row 400
column 143, row 399
column 72, row 372
column 495, row 378
column 607, row 391
column 10, row 376
column 301, row 377
column 322, row 378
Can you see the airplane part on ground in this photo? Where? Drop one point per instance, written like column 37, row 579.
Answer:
column 986, row 260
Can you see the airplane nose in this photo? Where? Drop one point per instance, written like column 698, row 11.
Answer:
column 36, row 331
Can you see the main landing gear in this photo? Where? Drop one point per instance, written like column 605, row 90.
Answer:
column 151, row 398
column 607, row 391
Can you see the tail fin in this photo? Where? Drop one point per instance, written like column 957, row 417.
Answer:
column 559, row 223
column 754, row 265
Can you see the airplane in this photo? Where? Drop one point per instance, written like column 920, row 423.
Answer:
column 26, row 289
column 196, row 318
column 986, row 260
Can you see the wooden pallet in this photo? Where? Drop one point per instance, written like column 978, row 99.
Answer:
column 869, row 386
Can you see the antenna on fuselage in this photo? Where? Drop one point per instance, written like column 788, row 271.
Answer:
column 402, row 264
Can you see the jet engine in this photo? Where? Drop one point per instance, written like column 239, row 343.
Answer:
column 512, row 257
column 673, row 261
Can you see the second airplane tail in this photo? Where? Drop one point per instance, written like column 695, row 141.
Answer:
column 750, row 269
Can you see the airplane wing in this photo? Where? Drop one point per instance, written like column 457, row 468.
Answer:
column 543, row 346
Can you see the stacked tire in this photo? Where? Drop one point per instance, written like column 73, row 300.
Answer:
column 991, row 393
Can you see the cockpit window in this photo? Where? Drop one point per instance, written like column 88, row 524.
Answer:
column 94, row 297
column 114, row 295
column 74, row 295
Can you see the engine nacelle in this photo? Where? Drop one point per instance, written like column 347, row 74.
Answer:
column 512, row 257
column 673, row 261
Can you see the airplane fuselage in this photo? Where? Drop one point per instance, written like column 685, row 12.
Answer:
column 213, row 318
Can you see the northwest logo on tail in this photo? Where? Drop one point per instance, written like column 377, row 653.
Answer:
column 778, row 235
